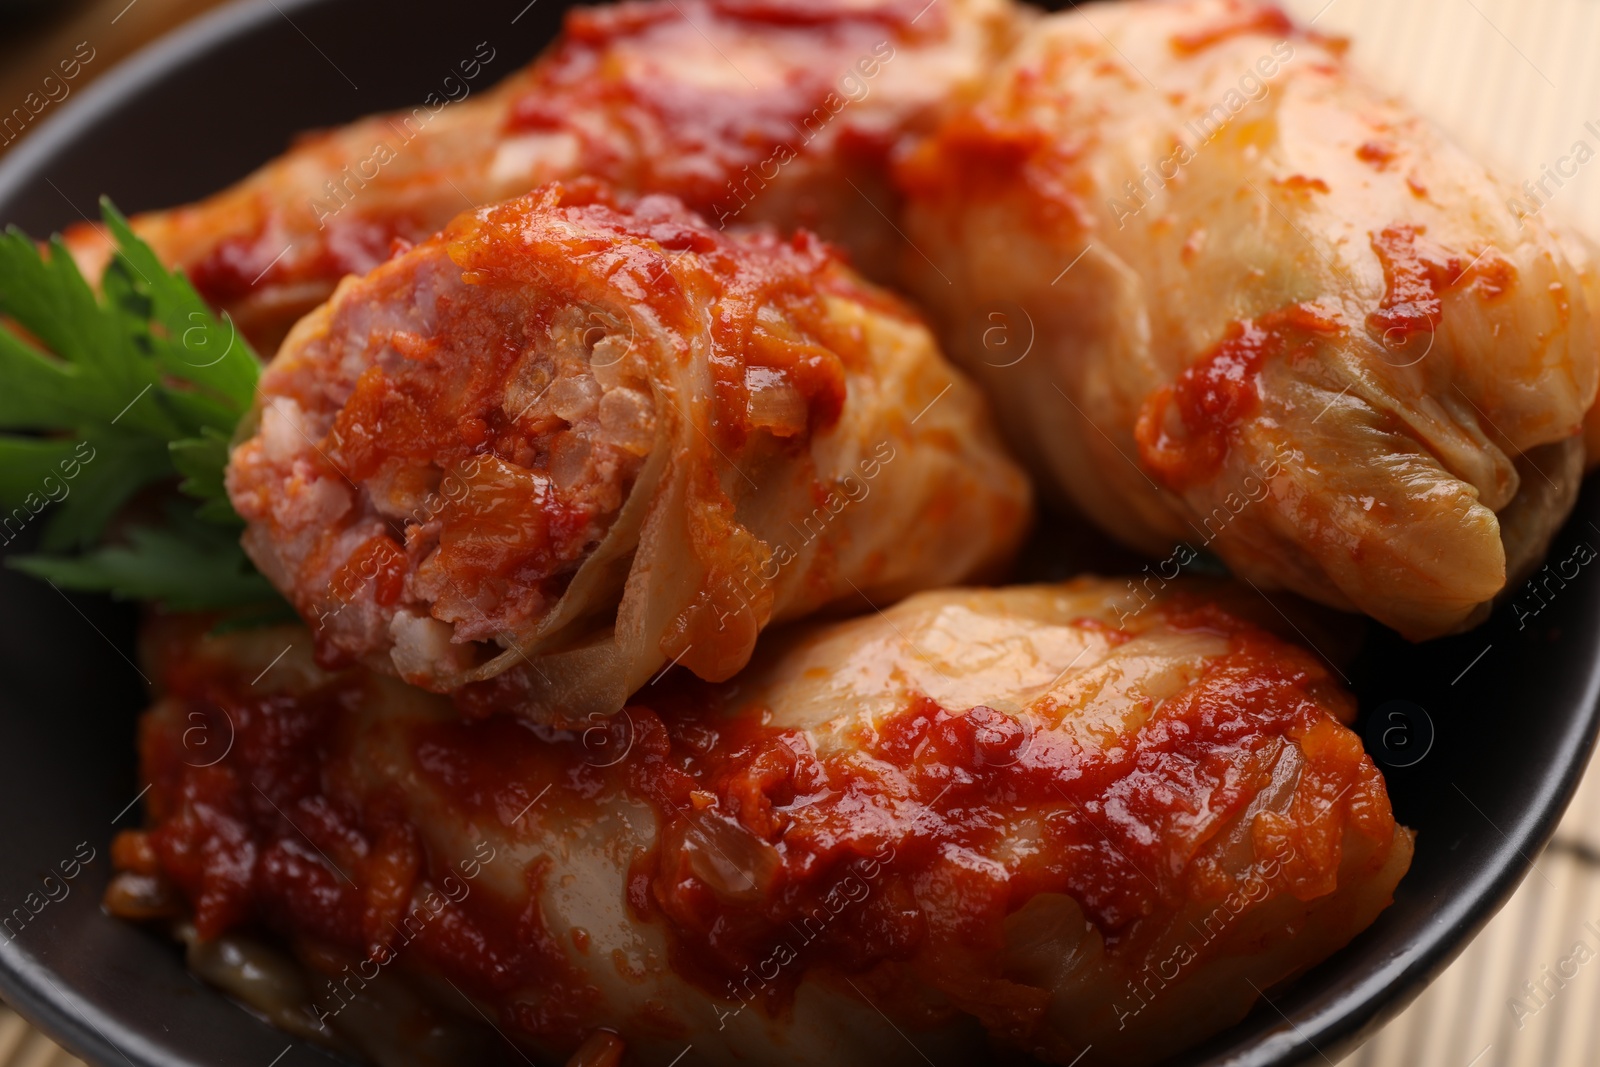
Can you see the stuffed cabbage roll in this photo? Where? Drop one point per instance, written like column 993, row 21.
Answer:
column 568, row 442
column 1274, row 313
column 1053, row 819
column 750, row 112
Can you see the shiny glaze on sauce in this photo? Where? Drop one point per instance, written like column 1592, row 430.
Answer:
column 718, row 137
column 1251, row 19
column 989, row 149
column 275, row 836
column 1418, row 272
column 773, row 858
column 1377, row 153
column 1219, row 391
column 764, row 297
column 235, row 267
column 431, row 402
column 675, row 132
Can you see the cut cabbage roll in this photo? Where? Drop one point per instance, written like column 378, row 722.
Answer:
column 1273, row 313
column 1060, row 819
column 570, row 442
column 751, row 112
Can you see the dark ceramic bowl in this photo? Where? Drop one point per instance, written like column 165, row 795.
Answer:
column 1482, row 737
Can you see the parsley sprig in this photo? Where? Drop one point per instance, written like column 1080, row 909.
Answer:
column 148, row 384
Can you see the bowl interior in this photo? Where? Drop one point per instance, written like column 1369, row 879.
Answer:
column 1482, row 737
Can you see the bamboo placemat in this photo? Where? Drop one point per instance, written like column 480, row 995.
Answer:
column 1516, row 82
column 23, row 1046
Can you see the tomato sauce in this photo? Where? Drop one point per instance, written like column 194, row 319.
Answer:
column 1378, row 153
column 1300, row 183
column 897, row 848
column 1219, row 391
column 772, row 857
column 1251, row 19
column 379, row 561
column 1418, row 272
column 436, row 403
column 235, row 267
column 273, row 835
column 659, row 255
column 428, row 419
column 714, row 141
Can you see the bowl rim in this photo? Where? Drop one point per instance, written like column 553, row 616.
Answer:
column 71, row 1020
column 127, row 76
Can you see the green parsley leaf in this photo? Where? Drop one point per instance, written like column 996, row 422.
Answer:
column 188, row 565
column 110, row 394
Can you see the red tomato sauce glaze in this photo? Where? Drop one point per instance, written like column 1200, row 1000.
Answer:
column 888, row 852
